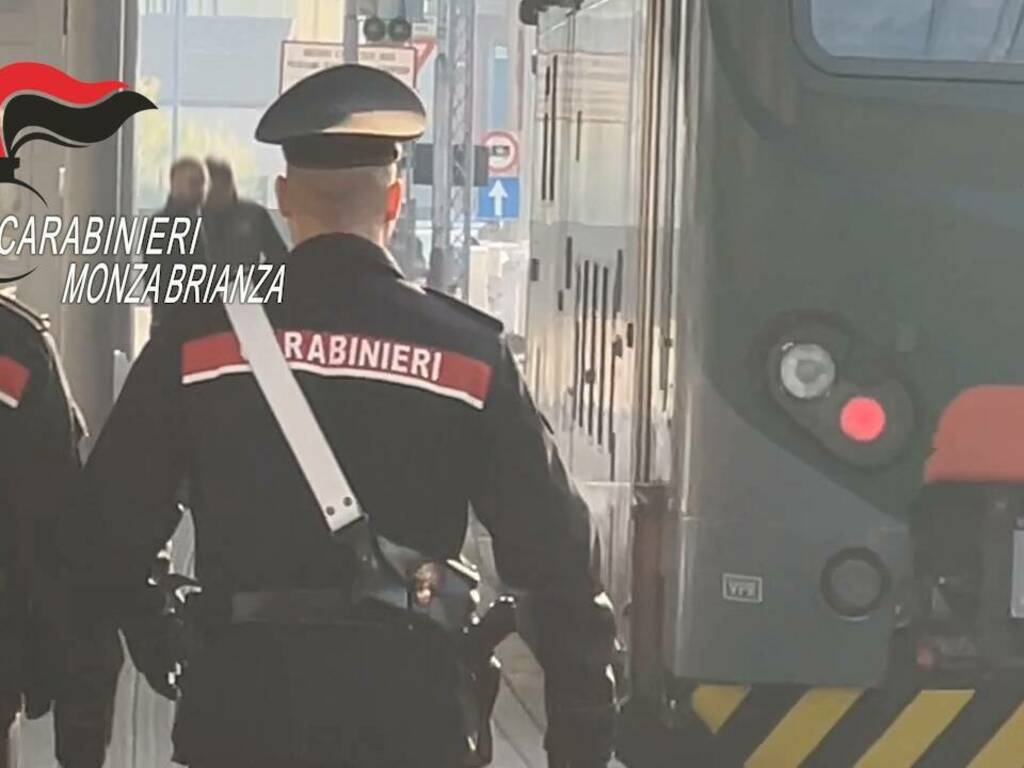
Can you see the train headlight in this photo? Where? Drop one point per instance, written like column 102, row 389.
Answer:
column 807, row 371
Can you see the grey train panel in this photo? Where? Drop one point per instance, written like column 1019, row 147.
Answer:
column 775, row 524
column 888, row 205
column 789, row 182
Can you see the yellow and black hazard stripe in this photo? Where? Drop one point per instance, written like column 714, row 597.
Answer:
column 800, row 727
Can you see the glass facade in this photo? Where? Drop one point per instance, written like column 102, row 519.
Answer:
column 212, row 67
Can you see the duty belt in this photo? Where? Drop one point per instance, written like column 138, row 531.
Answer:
column 292, row 606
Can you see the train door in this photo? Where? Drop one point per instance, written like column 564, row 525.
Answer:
column 548, row 298
column 656, row 431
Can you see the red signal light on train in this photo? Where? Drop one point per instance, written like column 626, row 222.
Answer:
column 862, row 419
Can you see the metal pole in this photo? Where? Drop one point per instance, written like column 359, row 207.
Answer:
column 351, row 40
column 90, row 333
column 468, row 139
column 406, row 233
column 441, row 197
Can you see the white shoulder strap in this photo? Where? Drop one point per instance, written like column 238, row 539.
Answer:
column 324, row 474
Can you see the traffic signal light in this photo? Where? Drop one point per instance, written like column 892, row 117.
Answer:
column 398, row 30
column 374, row 29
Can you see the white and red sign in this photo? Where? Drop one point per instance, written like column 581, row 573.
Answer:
column 347, row 355
column 424, row 50
column 13, row 380
column 299, row 60
column 503, row 152
column 424, row 40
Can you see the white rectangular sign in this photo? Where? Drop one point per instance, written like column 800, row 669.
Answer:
column 299, row 60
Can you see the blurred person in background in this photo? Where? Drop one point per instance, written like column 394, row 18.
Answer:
column 238, row 231
column 188, row 187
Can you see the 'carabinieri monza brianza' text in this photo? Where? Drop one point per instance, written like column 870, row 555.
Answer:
column 127, row 281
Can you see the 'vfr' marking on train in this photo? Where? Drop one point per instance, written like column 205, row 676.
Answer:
column 742, row 589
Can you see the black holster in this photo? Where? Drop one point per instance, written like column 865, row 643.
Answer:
column 441, row 593
column 446, row 593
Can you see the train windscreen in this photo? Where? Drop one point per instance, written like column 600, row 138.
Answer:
column 931, row 30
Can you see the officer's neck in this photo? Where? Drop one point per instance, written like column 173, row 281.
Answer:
column 376, row 234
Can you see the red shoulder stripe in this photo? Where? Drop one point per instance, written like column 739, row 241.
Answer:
column 13, row 379
column 346, row 355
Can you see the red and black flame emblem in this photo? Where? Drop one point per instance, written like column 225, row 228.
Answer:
column 41, row 103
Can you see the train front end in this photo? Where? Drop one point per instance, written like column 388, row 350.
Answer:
column 852, row 251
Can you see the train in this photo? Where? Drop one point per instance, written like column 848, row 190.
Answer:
column 775, row 267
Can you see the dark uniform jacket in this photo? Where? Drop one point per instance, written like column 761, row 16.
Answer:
column 47, row 654
column 425, row 409
column 243, row 233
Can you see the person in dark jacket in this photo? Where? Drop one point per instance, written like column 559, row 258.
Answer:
column 185, row 200
column 424, row 407
column 238, row 231
column 54, row 655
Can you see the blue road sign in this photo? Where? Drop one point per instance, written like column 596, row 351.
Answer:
column 499, row 199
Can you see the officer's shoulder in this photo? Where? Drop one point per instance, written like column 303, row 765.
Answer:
column 184, row 322
column 468, row 311
column 251, row 207
column 13, row 311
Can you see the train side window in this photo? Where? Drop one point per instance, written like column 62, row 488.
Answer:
column 577, row 359
column 584, row 335
column 603, row 363
column 545, row 135
column 592, row 368
column 617, row 352
column 553, row 142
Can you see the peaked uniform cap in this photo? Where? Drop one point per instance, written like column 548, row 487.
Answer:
column 343, row 117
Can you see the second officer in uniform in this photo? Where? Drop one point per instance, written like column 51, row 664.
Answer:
column 423, row 405
column 54, row 653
